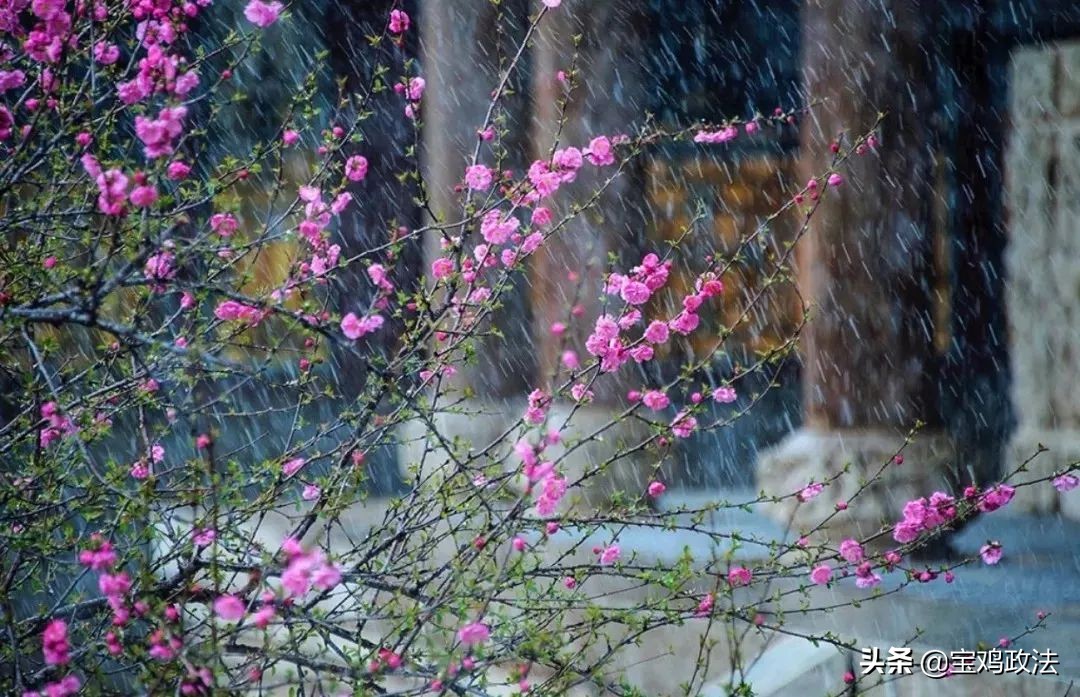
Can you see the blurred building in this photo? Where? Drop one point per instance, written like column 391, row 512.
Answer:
column 942, row 278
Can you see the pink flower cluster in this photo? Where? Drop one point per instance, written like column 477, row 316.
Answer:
column 643, row 280
column 160, row 268
column 354, row 327
column 101, row 556
column 55, row 646
column 307, row 570
column 59, row 426
column 262, row 14
column 313, row 229
column 159, row 71
column 68, row 686
column 545, row 482
column 539, row 402
column 474, row 633
column 231, row 311
column 922, row 515
column 994, row 498
column 399, row 22
column 413, row 91
column 112, row 186
column 720, row 136
column 158, row 135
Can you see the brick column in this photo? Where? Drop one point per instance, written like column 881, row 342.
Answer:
column 1042, row 169
column 866, row 269
column 610, row 95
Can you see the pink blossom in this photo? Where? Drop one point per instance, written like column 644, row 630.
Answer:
column 991, row 553
column 810, row 491
column 106, row 53
column 835, row 179
column 705, row 606
column 203, row 537
column 656, row 488
column 354, row 327
column 442, row 267
column 851, row 551
column 325, row 576
column 541, row 216
column 1066, row 482
column 580, row 392
column 229, row 310
column 497, row 229
column 599, row 152
column 224, row 224
column 158, row 134
column 114, row 586
column 609, row 555
column 996, row 497
column 414, row 90
column 229, row 608
column 685, row 322
column 725, row 394
column 474, row 633
column 55, row 645
column 739, row 576
column 293, row 466
column 399, row 22
column 310, row 492
column 657, row 332
column 356, row 168
column 721, row 136
column 821, row 574
column 262, row 617
column 10, row 79
column 7, row 123
column 262, row 14
column 655, row 400
column 683, row 425
column 635, row 292
column 159, row 267
column 865, row 576
column 143, row 196
column 177, row 170
column 478, row 177
column 532, row 243
column 552, row 3
column 100, row 557
column 570, row 359
column 552, row 491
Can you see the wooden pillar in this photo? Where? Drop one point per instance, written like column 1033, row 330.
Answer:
column 866, row 267
column 466, row 46
column 609, row 95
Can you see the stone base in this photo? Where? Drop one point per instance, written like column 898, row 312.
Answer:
column 629, row 473
column 1064, row 449
column 474, row 424
column 812, row 455
column 481, row 422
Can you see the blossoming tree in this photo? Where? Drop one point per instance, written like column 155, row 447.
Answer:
column 136, row 492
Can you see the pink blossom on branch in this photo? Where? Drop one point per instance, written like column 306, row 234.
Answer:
column 262, row 14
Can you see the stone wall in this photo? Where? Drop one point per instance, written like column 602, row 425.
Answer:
column 1042, row 164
